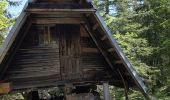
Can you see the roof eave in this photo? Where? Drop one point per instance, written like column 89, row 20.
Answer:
column 138, row 81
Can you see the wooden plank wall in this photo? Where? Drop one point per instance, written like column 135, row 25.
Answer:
column 70, row 51
column 34, row 65
column 74, row 57
column 92, row 62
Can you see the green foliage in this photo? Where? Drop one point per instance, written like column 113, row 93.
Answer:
column 155, row 15
column 135, row 48
column 12, row 96
column 4, row 21
column 166, row 46
column 142, row 28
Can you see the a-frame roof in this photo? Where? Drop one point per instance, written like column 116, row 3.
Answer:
column 95, row 20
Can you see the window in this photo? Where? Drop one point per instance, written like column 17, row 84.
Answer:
column 47, row 35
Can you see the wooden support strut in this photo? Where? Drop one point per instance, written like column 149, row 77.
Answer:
column 111, row 50
column 125, row 85
column 118, row 62
column 90, row 31
column 104, row 37
column 95, row 26
column 36, row 10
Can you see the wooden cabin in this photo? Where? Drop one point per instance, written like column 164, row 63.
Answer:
column 59, row 42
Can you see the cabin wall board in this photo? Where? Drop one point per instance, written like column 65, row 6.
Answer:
column 73, row 56
column 33, row 59
column 70, row 50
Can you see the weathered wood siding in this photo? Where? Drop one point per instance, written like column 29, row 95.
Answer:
column 93, row 64
column 70, row 51
column 73, row 57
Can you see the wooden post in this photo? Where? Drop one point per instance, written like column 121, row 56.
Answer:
column 106, row 91
column 67, row 91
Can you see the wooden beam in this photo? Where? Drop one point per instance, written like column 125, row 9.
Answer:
column 57, row 21
column 5, row 88
column 58, row 15
column 104, row 37
column 36, row 10
column 90, row 50
column 118, row 62
column 96, row 41
column 88, row 14
column 95, row 26
column 111, row 50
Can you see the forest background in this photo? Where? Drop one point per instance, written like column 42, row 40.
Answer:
column 142, row 29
